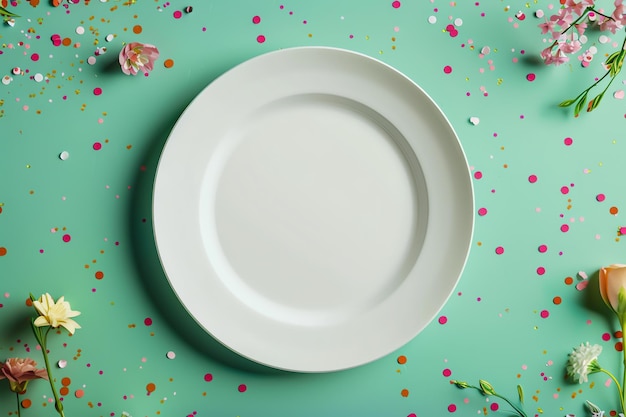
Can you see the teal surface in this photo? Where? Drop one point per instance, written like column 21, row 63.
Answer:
column 502, row 322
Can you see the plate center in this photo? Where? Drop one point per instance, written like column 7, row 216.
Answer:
column 312, row 209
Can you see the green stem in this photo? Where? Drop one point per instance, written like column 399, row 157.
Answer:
column 517, row 409
column 42, row 339
column 617, row 384
column 17, row 397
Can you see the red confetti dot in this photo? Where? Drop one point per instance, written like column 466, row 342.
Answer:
column 531, row 77
column 208, row 377
column 494, row 406
column 568, row 141
column 452, row 408
column 532, row 179
column 443, row 320
column 395, row 4
column 97, row 91
column 260, row 38
column 35, row 57
column 544, row 314
column 242, row 388
column 542, row 248
column 177, row 14
column 67, row 238
column 447, row 69
column 482, row 211
column 541, row 270
column 606, row 337
column 446, row 372
column 564, row 190
column 499, row 250
column 478, row 175
column 256, row 20
column 564, row 228
column 147, row 321
column 97, row 146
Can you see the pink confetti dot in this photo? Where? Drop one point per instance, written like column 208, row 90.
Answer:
column 34, row 57
column 66, row 238
column 478, row 175
column 256, row 20
column 532, row 179
column 147, row 321
column 443, row 320
column 177, row 14
column 600, row 197
column 97, row 146
column 544, row 314
column 452, row 408
column 97, row 91
column 482, row 211
column 499, row 250
column 568, row 141
column 242, row 388
column 447, row 69
column 606, row 337
column 446, row 372
column 541, row 270
column 260, row 38
column 531, row 77
column 564, row 190
column 494, row 406
column 564, row 228
column 395, row 4
column 208, row 377
column 543, row 248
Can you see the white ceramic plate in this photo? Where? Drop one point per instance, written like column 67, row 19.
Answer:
column 313, row 209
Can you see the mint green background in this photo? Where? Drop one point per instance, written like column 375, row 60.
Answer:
column 102, row 198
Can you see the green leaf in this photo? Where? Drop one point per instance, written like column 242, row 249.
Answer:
column 486, row 387
column 567, row 103
column 580, row 105
column 596, row 101
column 520, row 393
column 611, row 58
column 461, row 384
column 6, row 13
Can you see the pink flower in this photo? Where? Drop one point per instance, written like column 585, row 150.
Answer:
column 548, row 26
column 616, row 21
column 19, row 371
column 570, row 47
column 578, row 8
column 135, row 57
column 556, row 59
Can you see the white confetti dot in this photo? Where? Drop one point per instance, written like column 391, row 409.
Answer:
column 432, row 19
column 474, row 120
column 80, row 30
column 171, row 355
column 603, row 39
column 38, row 77
column 62, row 363
column 109, row 37
column 539, row 13
column 458, row 22
column 6, row 80
column 91, row 60
column 64, row 155
column 485, row 50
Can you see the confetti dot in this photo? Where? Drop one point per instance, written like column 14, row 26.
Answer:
column 79, row 393
column 97, row 146
column 260, row 38
column 541, row 270
column 404, row 392
column 447, row 69
column 395, row 4
column 432, row 20
column 606, row 337
column 168, row 63
column 542, row 248
column 66, row 238
column 34, row 57
column 177, row 14
column 3, row 251
column 66, row 381
column 137, row 29
column 401, row 359
column 151, row 387
column 171, row 355
column 26, row 403
column 80, row 30
column 494, row 406
column 564, row 228
column 443, row 320
column 482, row 211
column 564, row 190
column 62, row 363
column 147, row 321
column 447, row 372
column 256, row 20
column 568, row 141
column 499, row 250
column 99, row 275
column 613, row 210
column 97, row 91
column 242, row 388
column 532, row 179
column 600, row 197
column 208, row 377
column 478, row 175
column 531, row 77
column 544, row 314
column 557, row 300
column 568, row 280
column 452, row 408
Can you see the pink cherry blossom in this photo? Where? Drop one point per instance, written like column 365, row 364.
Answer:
column 136, row 57
column 556, row 59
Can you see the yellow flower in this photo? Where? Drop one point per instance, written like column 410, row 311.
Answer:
column 55, row 314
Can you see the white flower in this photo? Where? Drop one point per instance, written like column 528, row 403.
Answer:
column 584, row 361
